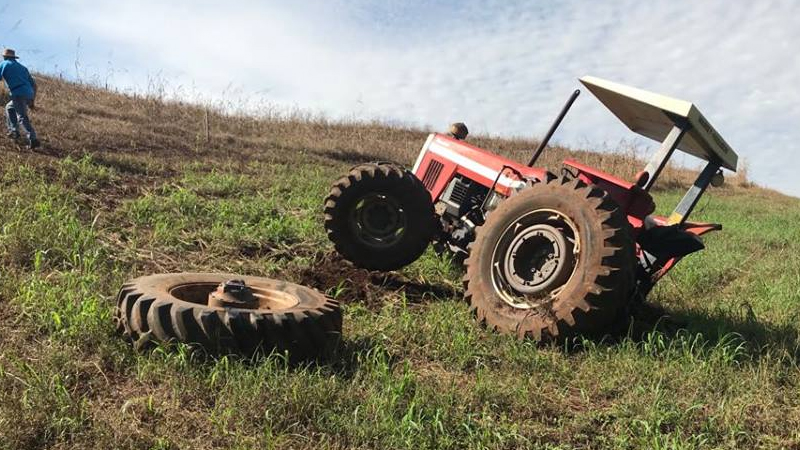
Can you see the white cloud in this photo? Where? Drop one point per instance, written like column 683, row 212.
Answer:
column 504, row 67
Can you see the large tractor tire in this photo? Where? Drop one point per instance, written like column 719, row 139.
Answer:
column 227, row 313
column 380, row 217
column 553, row 261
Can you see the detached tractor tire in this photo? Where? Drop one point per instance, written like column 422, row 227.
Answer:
column 380, row 217
column 222, row 316
column 554, row 261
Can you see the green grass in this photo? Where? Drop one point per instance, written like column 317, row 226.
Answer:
column 413, row 370
column 411, row 374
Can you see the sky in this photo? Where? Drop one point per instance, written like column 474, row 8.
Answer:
column 504, row 67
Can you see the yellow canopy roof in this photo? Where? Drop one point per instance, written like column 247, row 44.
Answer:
column 653, row 115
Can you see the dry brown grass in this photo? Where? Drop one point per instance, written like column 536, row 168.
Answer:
column 76, row 119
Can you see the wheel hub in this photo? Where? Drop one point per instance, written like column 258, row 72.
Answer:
column 534, row 258
column 233, row 294
column 378, row 220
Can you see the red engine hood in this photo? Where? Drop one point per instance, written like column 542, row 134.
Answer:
column 483, row 163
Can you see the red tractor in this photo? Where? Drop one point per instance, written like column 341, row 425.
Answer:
column 547, row 256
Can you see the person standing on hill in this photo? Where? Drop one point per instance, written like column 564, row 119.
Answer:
column 22, row 87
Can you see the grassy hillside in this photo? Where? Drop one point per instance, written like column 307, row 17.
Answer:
column 125, row 187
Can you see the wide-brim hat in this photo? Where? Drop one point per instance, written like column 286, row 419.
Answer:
column 8, row 53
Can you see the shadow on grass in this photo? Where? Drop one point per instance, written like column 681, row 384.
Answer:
column 343, row 357
column 48, row 150
column 714, row 328
column 351, row 354
column 348, row 156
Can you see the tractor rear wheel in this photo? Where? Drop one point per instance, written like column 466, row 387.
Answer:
column 226, row 313
column 555, row 260
column 380, row 216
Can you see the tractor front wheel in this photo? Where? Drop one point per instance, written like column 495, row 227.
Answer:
column 379, row 216
column 555, row 260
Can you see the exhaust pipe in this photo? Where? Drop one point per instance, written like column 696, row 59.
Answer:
column 553, row 127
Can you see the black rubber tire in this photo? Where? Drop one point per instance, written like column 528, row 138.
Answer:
column 603, row 280
column 148, row 311
column 403, row 188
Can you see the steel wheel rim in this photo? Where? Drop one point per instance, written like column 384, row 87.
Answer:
column 266, row 298
column 378, row 220
column 535, row 258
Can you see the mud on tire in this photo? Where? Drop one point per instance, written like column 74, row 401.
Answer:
column 379, row 217
column 173, row 307
column 592, row 277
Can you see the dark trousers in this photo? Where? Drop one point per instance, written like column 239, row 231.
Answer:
column 17, row 114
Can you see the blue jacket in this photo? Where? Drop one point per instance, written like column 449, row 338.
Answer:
column 17, row 78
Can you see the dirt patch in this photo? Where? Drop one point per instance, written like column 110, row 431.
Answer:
column 335, row 276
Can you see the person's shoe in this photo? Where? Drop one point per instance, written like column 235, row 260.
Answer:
column 12, row 135
column 34, row 144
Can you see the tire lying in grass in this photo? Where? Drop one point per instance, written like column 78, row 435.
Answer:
column 380, row 217
column 226, row 313
column 555, row 260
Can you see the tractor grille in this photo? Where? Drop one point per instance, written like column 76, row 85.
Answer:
column 432, row 174
column 460, row 191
